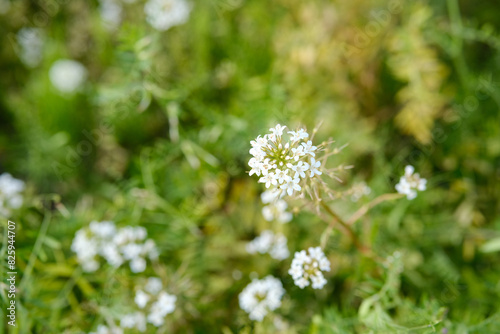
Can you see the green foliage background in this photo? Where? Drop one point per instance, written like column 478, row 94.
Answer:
column 159, row 137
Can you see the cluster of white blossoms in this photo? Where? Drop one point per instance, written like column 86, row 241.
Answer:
column 282, row 164
column 276, row 208
column 310, row 266
column 359, row 190
column 164, row 14
column 30, row 41
column 67, row 75
column 155, row 304
column 10, row 194
column 116, row 246
column 268, row 242
column 410, row 183
column 261, row 296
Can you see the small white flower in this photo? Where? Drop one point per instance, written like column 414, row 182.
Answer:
column 306, row 267
column 256, row 167
column 277, row 130
column 101, row 329
column 138, row 265
column 154, row 285
column 164, row 305
column 298, row 152
column 281, row 175
column 300, row 168
column 290, row 185
column 10, row 194
column 299, row 135
column 309, row 148
column 314, row 167
column 410, row 183
column 269, row 196
column 164, row 14
column 269, row 179
column 67, row 75
column 277, row 211
column 141, row 298
column 261, row 297
column 111, row 13
column 268, row 242
column 134, row 320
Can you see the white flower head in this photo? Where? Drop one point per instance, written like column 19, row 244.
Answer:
column 261, row 297
column 410, row 182
column 165, row 14
column 67, row 75
column 10, row 194
column 285, row 160
column 308, row 268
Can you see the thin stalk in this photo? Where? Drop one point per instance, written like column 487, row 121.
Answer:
column 364, row 209
column 363, row 249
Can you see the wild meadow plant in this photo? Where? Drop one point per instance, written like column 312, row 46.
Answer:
column 292, row 169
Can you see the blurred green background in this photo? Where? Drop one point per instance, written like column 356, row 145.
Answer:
column 158, row 136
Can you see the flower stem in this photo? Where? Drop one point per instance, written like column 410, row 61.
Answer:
column 364, row 209
column 363, row 249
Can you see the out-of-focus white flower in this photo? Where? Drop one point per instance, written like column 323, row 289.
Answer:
column 359, row 190
column 67, row 75
column 116, row 246
column 163, row 306
column 164, row 14
column 277, row 211
column 141, row 298
column 269, row 196
column 154, row 285
column 155, row 304
column 282, row 164
column 261, row 297
column 268, row 242
column 10, row 194
column 310, row 266
column 134, row 320
column 409, row 183
column 30, row 41
column 102, row 329
column 111, row 13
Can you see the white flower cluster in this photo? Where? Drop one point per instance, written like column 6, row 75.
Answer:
column 268, row 242
column 282, row 164
column 116, row 246
column 276, row 208
column 310, row 266
column 30, row 43
column 261, row 296
column 410, row 183
column 10, row 194
column 102, row 329
column 67, row 75
column 164, row 14
column 156, row 303
column 359, row 190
